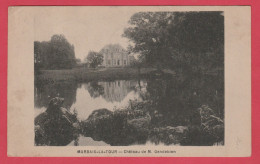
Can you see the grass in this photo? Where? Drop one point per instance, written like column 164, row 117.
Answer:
column 82, row 74
column 88, row 74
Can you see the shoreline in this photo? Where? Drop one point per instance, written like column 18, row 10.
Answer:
column 86, row 74
column 105, row 74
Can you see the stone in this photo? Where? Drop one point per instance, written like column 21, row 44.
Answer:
column 120, row 127
column 138, row 119
column 56, row 126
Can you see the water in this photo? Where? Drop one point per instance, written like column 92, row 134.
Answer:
column 172, row 104
column 87, row 97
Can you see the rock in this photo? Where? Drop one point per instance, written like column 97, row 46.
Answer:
column 121, row 127
column 138, row 120
column 97, row 120
column 168, row 135
column 99, row 114
column 56, row 126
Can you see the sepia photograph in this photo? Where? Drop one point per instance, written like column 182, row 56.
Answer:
column 129, row 81
column 152, row 78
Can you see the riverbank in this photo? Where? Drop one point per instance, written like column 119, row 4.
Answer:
column 88, row 74
column 136, row 125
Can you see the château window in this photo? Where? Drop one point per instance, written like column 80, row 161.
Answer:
column 108, row 62
column 124, row 62
column 118, row 62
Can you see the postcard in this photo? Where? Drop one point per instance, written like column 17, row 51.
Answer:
column 129, row 81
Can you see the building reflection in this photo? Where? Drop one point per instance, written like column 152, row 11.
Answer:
column 112, row 91
column 116, row 91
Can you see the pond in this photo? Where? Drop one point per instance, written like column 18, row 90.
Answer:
column 84, row 98
column 172, row 100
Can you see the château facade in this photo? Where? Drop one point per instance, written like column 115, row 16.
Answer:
column 114, row 56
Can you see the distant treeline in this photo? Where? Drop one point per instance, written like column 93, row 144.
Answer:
column 57, row 53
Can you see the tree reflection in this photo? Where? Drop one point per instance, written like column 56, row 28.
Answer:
column 94, row 89
column 170, row 101
column 174, row 100
column 43, row 92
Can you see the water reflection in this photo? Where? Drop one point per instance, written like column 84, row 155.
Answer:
column 86, row 97
column 44, row 92
column 116, row 91
column 86, row 141
column 94, row 89
column 171, row 102
column 112, row 91
column 174, row 101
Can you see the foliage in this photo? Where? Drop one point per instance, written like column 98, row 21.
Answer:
column 135, row 63
column 210, row 123
column 178, row 39
column 57, row 53
column 95, row 90
column 94, row 59
column 78, row 61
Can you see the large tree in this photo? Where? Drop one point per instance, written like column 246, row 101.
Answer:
column 57, row 53
column 94, row 59
column 178, row 39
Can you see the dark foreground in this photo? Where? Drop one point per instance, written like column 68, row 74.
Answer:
column 126, row 127
column 170, row 111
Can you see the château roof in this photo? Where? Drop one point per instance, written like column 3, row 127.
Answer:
column 112, row 48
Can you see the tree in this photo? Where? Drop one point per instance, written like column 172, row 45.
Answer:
column 57, row 53
column 178, row 39
column 94, row 59
column 137, row 63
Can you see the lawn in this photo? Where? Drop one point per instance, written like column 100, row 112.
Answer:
column 88, row 74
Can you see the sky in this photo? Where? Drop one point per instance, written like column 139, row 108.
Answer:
column 87, row 28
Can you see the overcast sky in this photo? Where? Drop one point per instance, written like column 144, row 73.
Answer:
column 87, row 28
